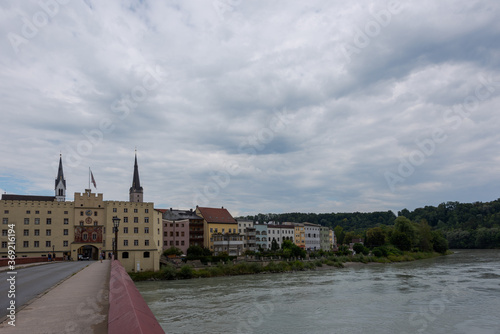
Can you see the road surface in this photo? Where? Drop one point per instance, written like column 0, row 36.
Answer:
column 32, row 281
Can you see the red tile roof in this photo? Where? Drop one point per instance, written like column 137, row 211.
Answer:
column 216, row 215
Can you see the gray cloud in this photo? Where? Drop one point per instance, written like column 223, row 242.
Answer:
column 254, row 105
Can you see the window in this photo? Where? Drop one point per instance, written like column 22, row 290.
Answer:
column 146, row 230
column 49, row 221
column 146, row 210
column 125, row 242
column 125, row 219
column 125, row 255
column 65, row 212
column 81, row 213
column 146, row 219
column 146, row 242
column 95, row 213
column 47, row 243
column 182, row 233
column 28, row 212
column 66, row 221
column 125, row 230
column 4, row 233
column 49, row 212
column 182, row 242
column 4, row 244
column 135, row 210
column 177, row 242
column 136, row 230
column 26, row 244
column 171, row 233
column 36, row 244
column 37, row 212
column 136, row 242
column 223, row 230
column 146, row 255
column 81, row 222
column 171, row 243
column 37, row 221
column 136, row 219
column 37, row 232
column 95, row 222
column 177, row 234
column 26, row 232
column 6, row 211
column 65, row 243
column 48, row 232
column 94, row 236
column 5, row 220
column 26, row 221
column 125, row 210
column 114, row 210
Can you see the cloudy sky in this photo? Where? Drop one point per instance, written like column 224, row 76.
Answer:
column 257, row 106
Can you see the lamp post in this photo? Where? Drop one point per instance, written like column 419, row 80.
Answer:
column 116, row 223
column 53, row 253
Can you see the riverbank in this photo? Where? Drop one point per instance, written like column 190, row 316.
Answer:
column 186, row 271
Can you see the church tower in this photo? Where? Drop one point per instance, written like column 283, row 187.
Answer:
column 60, row 188
column 136, row 194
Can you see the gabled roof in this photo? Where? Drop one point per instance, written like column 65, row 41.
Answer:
column 216, row 215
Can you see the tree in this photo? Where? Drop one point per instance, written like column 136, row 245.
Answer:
column 401, row 240
column 405, row 226
column 339, row 234
column 349, row 236
column 424, row 236
column 292, row 250
column 196, row 252
column 172, row 251
column 440, row 244
column 274, row 245
column 375, row 237
column 358, row 248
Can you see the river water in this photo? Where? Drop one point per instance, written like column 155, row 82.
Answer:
column 458, row 293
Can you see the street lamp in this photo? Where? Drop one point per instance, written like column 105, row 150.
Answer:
column 53, row 253
column 116, row 223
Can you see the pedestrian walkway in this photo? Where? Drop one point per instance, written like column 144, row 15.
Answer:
column 77, row 305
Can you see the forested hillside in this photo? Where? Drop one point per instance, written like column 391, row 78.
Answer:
column 464, row 225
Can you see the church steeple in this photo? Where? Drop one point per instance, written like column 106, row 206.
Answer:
column 60, row 185
column 136, row 193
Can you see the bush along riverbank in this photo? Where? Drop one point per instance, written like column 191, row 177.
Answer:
column 186, row 271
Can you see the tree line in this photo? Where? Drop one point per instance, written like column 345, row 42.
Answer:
column 464, row 225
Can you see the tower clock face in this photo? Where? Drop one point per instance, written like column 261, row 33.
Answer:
column 88, row 212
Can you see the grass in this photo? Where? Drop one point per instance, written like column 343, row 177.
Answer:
column 170, row 272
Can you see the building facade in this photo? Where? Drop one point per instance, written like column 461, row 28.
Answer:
column 215, row 220
column 181, row 229
column 312, row 234
column 261, row 241
column 51, row 225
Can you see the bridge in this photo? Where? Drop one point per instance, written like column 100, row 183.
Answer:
column 73, row 297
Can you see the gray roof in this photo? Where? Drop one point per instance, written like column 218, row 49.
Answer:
column 11, row 197
column 180, row 215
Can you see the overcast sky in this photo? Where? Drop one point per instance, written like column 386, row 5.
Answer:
column 257, row 106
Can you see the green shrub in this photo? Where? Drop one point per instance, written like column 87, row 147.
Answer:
column 168, row 272
column 186, row 272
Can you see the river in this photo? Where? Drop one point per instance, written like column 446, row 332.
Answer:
column 458, row 293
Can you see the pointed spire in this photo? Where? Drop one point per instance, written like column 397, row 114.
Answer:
column 60, row 182
column 136, row 192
